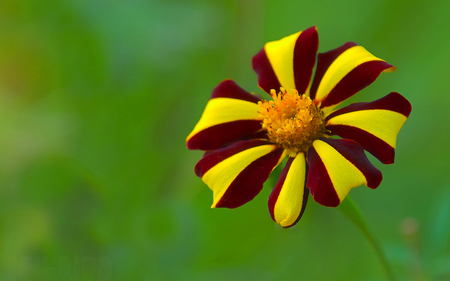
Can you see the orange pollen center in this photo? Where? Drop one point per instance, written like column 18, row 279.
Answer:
column 292, row 121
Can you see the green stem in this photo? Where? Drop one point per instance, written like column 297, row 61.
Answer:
column 351, row 210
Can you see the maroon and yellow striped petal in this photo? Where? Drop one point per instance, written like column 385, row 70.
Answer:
column 230, row 114
column 374, row 125
column 236, row 173
column 287, row 202
column 324, row 60
column 230, row 89
column 343, row 72
column 335, row 167
column 288, row 62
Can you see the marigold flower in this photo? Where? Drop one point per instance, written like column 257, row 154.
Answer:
column 245, row 137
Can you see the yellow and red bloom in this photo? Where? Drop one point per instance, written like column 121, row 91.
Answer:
column 245, row 138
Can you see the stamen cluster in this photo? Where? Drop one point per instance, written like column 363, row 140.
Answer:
column 292, row 121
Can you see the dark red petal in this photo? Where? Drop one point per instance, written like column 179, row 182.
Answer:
column 393, row 102
column 319, row 182
column 258, row 135
column 267, row 79
column 354, row 153
column 305, row 52
column 360, row 77
column 229, row 89
column 377, row 147
column 250, row 181
column 276, row 192
column 212, row 158
column 324, row 60
column 217, row 136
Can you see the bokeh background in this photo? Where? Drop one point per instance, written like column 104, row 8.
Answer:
column 97, row 97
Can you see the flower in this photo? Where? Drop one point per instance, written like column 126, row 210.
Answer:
column 245, row 137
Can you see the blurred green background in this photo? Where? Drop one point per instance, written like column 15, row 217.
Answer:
column 97, row 97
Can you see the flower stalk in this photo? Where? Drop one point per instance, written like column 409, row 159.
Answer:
column 351, row 210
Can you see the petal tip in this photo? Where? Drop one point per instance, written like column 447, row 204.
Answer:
column 188, row 144
column 390, row 69
column 312, row 28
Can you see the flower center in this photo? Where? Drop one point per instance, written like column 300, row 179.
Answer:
column 292, row 120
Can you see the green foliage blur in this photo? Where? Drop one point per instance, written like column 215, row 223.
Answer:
column 97, row 97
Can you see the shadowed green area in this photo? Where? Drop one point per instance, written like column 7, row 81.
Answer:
column 97, row 97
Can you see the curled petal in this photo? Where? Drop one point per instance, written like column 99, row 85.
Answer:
column 287, row 202
column 236, row 173
column 212, row 158
column 337, row 166
column 374, row 125
column 229, row 89
column 231, row 114
column 343, row 72
column 267, row 79
column 324, row 60
column 288, row 62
